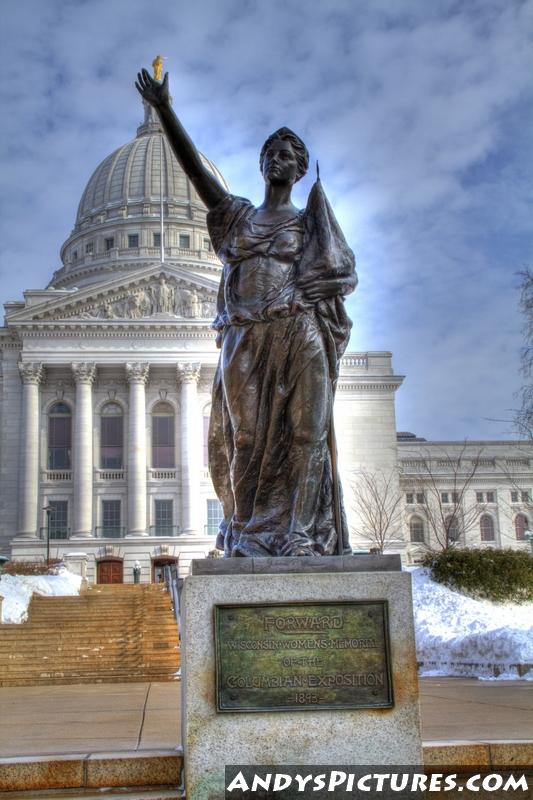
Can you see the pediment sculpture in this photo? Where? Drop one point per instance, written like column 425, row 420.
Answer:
column 162, row 296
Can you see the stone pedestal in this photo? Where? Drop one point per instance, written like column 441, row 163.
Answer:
column 356, row 736
column 77, row 563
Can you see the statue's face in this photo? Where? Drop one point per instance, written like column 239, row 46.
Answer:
column 279, row 164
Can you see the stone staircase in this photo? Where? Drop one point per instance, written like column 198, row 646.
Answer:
column 107, row 634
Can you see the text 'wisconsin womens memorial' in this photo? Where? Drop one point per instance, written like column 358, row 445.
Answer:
column 322, row 636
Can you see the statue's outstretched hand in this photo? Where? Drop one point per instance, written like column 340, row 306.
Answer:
column 152, row 91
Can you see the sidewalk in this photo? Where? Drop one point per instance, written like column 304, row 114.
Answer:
column 146, row 716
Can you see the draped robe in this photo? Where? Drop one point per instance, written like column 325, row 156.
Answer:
column 270, row 442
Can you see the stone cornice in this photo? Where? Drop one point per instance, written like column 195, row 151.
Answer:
column 489, row 480
column 387, row 384
column 113, row 330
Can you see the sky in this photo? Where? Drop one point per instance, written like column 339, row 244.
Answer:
column 420, row 114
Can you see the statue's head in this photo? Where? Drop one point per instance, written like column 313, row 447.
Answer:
column 296, row 145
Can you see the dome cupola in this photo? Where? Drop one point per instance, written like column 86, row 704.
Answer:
column 118, row 224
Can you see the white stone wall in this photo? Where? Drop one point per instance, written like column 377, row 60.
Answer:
column 504, row 467
column 365, row 423
column 365, row 429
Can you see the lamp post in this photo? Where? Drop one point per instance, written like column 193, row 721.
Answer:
column 48, row 511
column 529, row 536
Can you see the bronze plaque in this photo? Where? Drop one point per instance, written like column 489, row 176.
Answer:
column 302, row 656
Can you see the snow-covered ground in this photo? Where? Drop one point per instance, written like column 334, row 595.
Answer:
column 18, row 589
column 457, row 635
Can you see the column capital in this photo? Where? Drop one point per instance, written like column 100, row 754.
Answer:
column 31, row 372
column 84, row 371
column 137, row 371
column 188, row 372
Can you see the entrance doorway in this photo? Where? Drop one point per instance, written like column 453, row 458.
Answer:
column 110, row 570
column 158, row 568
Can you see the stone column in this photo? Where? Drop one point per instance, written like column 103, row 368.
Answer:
column 31, row 375
column 84, row 375
column 191, row 442
column 137, row 376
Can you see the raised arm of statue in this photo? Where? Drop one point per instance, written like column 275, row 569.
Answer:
column 157, row 94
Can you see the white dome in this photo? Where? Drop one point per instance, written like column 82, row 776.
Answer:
column 121, row 204
column 131, row 175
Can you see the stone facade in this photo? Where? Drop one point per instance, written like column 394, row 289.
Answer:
column 124, row 329
column 486, row 486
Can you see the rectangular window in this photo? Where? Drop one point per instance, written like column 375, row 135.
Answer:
column 110, row 518
column 207, row 244
column 525, row 497
column 109, row 243
column 455, row 497
column 490, row 497
column 514, row 497
column 444, row 496
column 133, row 240
column 479, row 497
column 420, row 499
column 111, row 448
column 75, row 255
column 89, row 247
column 59, row 442
column 58, row 519
column 157, row 239
column 163, row 442
column 409, row 498
column 215, row 515
column 185, row 241
column 164, row 518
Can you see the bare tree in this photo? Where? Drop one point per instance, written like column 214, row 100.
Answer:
column 519, row 500
column 377, row 503
column 523, row 418
column 442, row 483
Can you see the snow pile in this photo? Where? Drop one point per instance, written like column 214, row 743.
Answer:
column 18, row 589
column 457, row 635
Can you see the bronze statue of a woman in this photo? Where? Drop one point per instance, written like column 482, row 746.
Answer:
column 282, row 328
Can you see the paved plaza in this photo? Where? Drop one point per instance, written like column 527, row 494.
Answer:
column 40, row 720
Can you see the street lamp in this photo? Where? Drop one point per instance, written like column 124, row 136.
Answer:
column 529, row 536
column 48, row 511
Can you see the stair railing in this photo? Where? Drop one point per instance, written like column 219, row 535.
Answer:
column 172, row 584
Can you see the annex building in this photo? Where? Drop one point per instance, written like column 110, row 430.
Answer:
column 105, row 390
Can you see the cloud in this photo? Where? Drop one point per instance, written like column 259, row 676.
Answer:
column 418, row 112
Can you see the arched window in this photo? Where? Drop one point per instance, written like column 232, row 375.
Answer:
column 486, row 528
column 59, row 436
column 416, row 529
column 163, row 436
column 111, row 437
column 521, row 525
column 453, row 530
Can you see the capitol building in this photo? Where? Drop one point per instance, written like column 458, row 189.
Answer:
column 105, row 388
